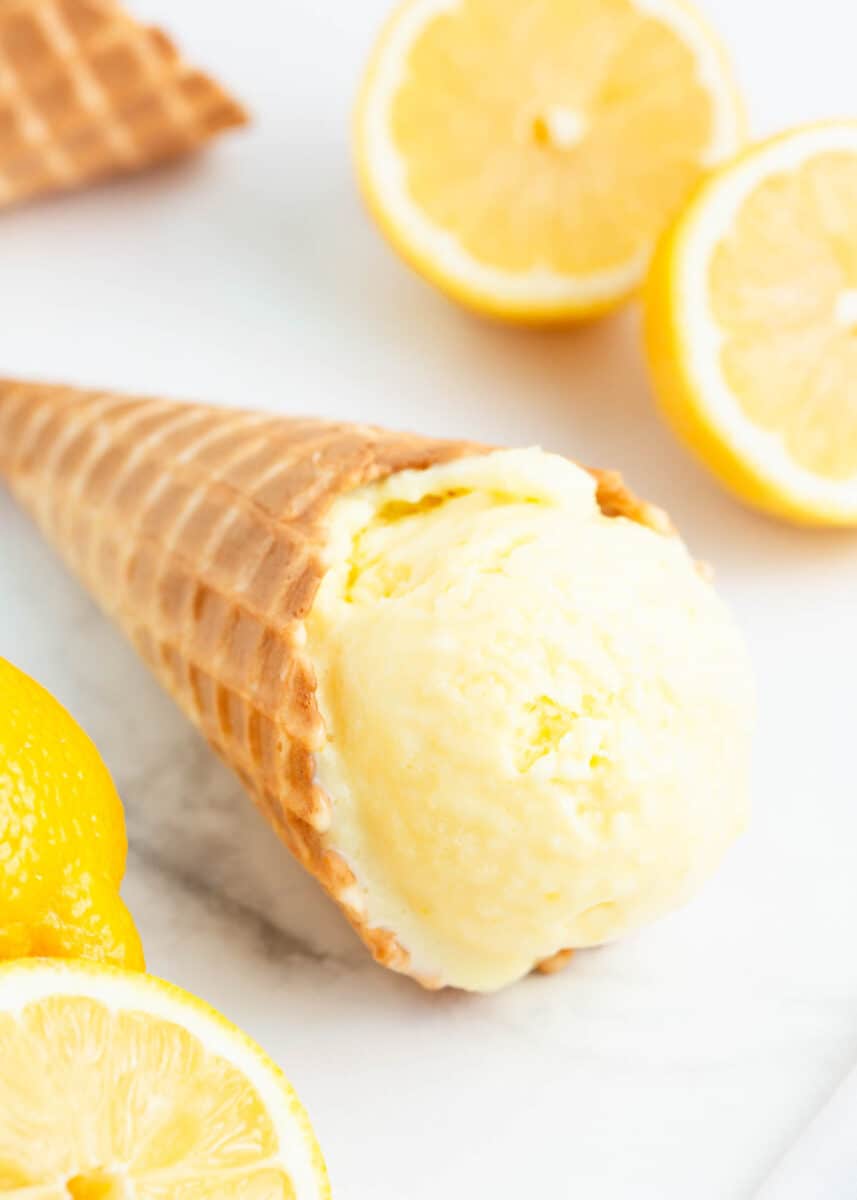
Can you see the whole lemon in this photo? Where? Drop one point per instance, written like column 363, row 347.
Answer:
column 62, row 836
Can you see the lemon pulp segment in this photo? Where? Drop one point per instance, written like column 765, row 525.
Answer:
column 782, row 287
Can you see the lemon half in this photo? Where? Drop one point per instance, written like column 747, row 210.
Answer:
column 751, row 324
column 524, row 155
column 117, row 1086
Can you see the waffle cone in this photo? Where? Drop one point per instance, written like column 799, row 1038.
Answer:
column 87, row 92
column 202, row 532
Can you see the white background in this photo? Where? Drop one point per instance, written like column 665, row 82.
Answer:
column 676, row 1065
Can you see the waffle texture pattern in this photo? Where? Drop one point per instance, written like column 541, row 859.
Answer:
column 202, row 532
column 87, row 92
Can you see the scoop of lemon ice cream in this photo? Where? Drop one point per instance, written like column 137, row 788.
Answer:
column 537, row 716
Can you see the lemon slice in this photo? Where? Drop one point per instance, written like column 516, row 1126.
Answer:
column 524, row 155
column 118, row 1086
column 751, row 324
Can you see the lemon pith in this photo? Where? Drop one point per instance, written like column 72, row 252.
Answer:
column 62, row 835
column 114, row 1084
column 524, row 157
column 750, row 324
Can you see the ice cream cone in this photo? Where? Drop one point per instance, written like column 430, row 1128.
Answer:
column 202, row 532
column 87, row 92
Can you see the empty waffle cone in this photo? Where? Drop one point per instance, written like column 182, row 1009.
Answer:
column 87, row 92
column 204, row 532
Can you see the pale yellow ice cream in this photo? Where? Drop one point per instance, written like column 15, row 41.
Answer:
column 538, row 716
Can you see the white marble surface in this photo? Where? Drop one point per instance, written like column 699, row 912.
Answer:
column 679, row 1064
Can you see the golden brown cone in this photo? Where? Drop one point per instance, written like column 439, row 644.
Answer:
column 202, row 532
column 87, row 92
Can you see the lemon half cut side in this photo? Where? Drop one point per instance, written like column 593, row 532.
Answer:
column 118, row 1086
column 751, row 324
column 524, row 155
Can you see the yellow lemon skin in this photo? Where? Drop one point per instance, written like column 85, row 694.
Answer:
column 62, row 836
column 669, row 342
